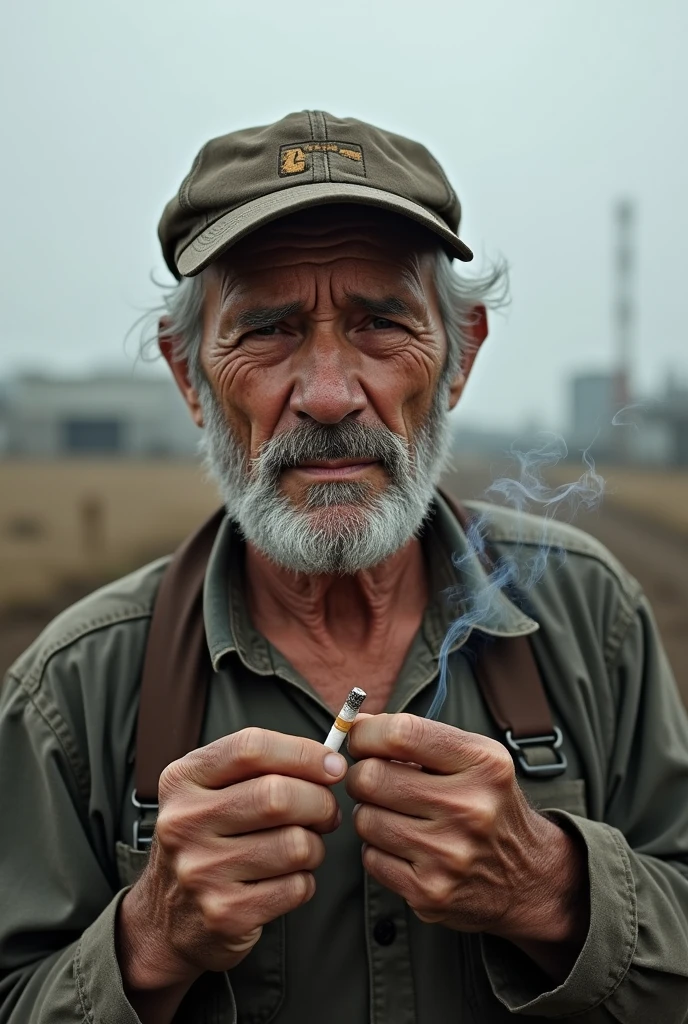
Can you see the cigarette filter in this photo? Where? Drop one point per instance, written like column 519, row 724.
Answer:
column 345, row 719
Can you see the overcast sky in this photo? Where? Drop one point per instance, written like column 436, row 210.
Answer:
column 543, row 113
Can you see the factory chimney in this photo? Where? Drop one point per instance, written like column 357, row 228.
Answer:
column 624, row 307
column 624, row 311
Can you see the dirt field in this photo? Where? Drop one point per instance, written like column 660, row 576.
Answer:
column 65, row 527
column 84, row 520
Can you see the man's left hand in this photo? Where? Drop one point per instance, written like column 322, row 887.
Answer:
column 458, row 839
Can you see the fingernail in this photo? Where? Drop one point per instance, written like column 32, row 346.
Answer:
column 364, row 848
column 338, row 819
column 355, row 811
column 334, row 764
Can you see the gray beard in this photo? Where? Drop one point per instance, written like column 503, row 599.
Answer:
column 345, row 527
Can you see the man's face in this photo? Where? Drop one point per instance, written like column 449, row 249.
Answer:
column 325, row 405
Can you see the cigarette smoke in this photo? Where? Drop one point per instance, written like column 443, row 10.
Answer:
column 621, row 418
column 526, row 491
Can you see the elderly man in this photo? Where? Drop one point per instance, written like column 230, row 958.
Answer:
column 320, row 338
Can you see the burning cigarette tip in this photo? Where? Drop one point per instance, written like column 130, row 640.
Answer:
column 345, row 718
column 355, row 698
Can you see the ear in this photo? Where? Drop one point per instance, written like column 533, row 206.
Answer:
column 475, row 334
column 167, row 343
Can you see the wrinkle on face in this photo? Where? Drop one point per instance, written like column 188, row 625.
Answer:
column 326, row 364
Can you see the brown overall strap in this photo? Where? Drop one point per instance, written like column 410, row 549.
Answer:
column 177, row 669
column 508, row 674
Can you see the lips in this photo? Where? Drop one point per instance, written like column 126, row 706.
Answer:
column 335, row 463
column 334, row 469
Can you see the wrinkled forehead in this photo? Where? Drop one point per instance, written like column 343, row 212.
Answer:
column 326, row 234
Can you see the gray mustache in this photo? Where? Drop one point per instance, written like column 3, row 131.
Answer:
column 346, row 440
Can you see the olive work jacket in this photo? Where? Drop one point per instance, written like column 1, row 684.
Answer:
column 355, row 952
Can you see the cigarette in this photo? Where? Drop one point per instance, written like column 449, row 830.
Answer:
column 345, row 719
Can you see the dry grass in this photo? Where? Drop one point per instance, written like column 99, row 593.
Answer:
column 88, row 520
column 659, row 496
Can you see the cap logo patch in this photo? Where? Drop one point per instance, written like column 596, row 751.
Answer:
column 298, row 159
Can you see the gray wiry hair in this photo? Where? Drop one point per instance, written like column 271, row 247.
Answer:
column 458, row 297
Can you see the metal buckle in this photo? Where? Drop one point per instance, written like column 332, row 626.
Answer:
column 142, row 833
column 543, row 771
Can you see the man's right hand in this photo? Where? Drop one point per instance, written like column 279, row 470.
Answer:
column 237, row 837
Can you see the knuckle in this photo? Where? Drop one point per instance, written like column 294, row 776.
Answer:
column 297, row 846
column 330, row 807
column 250, row 746
column 436, row 891
column 274, row 796
column 300, row 887
column 459, row 862
column 171, row 829
column 293, row 890
column 305, row 753
column 482, row 815
column 404, row 730
column 317, row 854
column 501, row 766
column 172, row 777
column 370, row 777
column 362, row 821
column 189, row 874
column 215, row 913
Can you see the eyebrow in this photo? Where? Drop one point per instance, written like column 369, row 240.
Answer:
column 388, row 305
column 265, row 316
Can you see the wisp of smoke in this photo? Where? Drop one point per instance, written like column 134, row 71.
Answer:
column 620, row 418
column 527, row 490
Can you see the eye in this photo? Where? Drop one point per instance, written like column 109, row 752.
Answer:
column 381, row 323
column 265, row 332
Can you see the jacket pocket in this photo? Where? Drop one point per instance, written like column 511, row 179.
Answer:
column 130, row 863
column 258, row 983
column 557, row 794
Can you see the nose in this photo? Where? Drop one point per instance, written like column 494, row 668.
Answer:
column 326, row 387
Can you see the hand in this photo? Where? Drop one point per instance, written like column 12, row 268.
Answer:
column 237, row 837
column 458, row 839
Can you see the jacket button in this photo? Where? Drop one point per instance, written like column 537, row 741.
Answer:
column 385, row 932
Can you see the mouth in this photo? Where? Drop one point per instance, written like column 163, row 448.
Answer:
column 334, row 469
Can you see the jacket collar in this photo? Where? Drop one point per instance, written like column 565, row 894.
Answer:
column 456, row 577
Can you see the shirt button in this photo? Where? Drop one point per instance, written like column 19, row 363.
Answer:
column 385, row 932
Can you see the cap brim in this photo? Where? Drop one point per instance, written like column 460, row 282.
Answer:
column 228, row 229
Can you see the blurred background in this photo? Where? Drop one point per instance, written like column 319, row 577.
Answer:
column 562, row 127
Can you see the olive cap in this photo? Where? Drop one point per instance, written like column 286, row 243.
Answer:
column 241, row 181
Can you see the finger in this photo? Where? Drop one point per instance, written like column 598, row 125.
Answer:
column 399, row 787
column 434, row 745
column 253, row 752
column 241, row 909
column 393, row 872
column 272, row 801
column 276, row 852
column 404, row 837
column 361, row 715
column 275, row 897
column 268, row 802
column 429, row 897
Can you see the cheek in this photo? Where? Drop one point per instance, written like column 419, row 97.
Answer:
column 403, row 386
column 252, row 398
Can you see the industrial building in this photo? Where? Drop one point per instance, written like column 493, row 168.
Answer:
column 131, row 415
column 606, row 411
column 643, row 430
